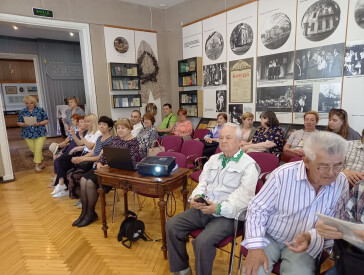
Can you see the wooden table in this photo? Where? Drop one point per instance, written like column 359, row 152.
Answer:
column 154, row 186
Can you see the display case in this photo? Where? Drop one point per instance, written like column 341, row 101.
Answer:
column 124, row 76
column 190, row 100
column 190, row 72
column 126, row 101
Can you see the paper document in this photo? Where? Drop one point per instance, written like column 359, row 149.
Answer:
column 346, row 228
column 30, row 120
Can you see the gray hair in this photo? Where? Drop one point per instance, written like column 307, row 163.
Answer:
column 237, row 129
column 330, row 143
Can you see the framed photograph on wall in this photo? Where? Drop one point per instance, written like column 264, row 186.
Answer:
column 241, row 81
column 11, row 90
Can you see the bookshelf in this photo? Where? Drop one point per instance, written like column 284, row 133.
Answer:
column 190, row 72
column 124, row 76
column 126, row 101
column 190, row 101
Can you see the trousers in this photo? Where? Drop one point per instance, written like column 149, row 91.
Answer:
column 204, row 246
column 36, row 146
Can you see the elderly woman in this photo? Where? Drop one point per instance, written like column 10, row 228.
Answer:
column 338, row 123
column 35, row 133
column 74, row 109
column 147, row 135
column 183, row 127
column 89, row 184
column 211, row 140
column 248, row 130
column 268, row 137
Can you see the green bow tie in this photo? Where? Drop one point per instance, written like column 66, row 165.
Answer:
column 226, row 160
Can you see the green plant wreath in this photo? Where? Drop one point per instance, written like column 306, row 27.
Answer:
column 144, row 78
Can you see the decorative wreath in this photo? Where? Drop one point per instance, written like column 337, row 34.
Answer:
column 146, row 77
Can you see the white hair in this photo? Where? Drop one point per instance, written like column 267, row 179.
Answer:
column 330, row 143
column 237, row 129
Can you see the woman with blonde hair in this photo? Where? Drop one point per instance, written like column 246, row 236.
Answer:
column 35, row 134
column 248, row 130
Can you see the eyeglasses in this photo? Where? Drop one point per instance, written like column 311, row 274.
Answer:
column 327, row 168
column 340, row 111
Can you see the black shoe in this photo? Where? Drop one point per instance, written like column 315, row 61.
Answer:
column 76, row 222
column 86, row 222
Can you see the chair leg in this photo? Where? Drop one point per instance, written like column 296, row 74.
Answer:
column 240, row 263
column 113, row 206
column 155, row 204
column 140, row 205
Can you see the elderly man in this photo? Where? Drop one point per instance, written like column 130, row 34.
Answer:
column 168, row 121
column 136, row 121
column 281, row 219
column 228, row 183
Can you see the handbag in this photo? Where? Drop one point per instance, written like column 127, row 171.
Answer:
column 153, row 151
column 349, row 259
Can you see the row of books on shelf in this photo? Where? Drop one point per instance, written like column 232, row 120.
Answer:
column 126, row 102
column 124, row 71
column 191, row 109
column 126, row 84
column 186, row 98
column 188, row 80
column 188, row 66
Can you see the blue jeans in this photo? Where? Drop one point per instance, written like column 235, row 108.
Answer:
column 332, row 271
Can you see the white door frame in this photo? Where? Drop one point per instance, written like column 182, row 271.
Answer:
column 87, row 67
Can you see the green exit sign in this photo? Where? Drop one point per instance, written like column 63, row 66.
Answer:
column 42, row 12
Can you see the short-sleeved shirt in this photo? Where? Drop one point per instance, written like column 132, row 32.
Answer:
column 274, row 133
column 99, row 144
column 92, row 138
column 297, row 138
column 33, row 132
column 182, row 129
column 353, row 135
column 168, row 121
column 354, row 159
column 78, row 111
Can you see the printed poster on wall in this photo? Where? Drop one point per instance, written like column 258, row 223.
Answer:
column 192, row 40
column 119, row 45
column 241, row 80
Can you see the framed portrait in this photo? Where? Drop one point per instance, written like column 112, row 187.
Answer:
column 11, row 90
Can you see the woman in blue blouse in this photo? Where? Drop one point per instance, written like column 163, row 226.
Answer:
column 268, row 137
column 211, row 140
column 147, row 135
column 35, row 135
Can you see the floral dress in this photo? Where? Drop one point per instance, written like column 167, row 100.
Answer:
column 274, row 133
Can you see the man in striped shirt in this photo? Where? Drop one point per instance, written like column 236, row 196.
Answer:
column 281, row 219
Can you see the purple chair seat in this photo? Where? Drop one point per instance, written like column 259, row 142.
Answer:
column 196, row 175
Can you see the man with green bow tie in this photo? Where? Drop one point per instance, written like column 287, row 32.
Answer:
column 227, row 183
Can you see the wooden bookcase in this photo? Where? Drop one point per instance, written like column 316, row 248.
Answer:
column 124, row 76
column 190, row 72
column 190, row 100
column 126, row 101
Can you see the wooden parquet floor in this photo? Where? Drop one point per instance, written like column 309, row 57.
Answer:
column 36, row 236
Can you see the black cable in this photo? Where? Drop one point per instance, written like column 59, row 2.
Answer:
column 175, row 205
column 149, row 239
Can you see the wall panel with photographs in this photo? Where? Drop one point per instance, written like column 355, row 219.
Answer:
column 297, row 55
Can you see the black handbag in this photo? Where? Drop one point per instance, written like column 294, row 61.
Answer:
column 132, row 229
column 349, row 259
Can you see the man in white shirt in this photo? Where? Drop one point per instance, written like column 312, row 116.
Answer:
column 136, row 121
column 281, row 218
column 227, row 183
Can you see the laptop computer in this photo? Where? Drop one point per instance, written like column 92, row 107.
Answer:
column 119, row 158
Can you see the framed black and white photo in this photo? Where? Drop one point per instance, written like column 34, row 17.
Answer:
column 320, row 20
column 235, row 113
column 359, row 13
column 276, row 31
column 121, row 44
column 319, row 62
column 275, row 67
column 302, row 99
column 241, row 39
column 276, row 99
column 354, row 58
column 221, row 101
column 214, row 75
column 214, row 45
column 329, row 97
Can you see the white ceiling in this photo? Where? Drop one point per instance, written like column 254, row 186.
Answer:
column 26, row 31
column 156, row 3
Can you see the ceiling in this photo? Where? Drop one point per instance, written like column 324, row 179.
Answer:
column 160, row 4
column 26, row 31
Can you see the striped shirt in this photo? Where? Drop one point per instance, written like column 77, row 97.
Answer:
column 100, row 144
column 355, row 156
column 287, row 204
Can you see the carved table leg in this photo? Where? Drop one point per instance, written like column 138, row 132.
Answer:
column 162, row 207
column 125, row 202
column 103, row 213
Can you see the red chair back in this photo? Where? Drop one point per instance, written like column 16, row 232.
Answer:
column 192, row 149
column 200, row 133
column 181, row 159
column 172, row 143
column 267, row 162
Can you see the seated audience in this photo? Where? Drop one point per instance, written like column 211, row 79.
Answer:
column 281, row 219
column 183, row 127
column 338, row 123
column 89, row 184
column 296, row 140
column 75, row 119
column 228, row 183
column 168, row 121
column 136, row 121
column 85, row 162
column 268, row 137
column 147, row 135
column 354, row 161
column 211, row 140
column 353, row 212
column 248, row 130
column 74, row 108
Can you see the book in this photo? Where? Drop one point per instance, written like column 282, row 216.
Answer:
column 116, row 102
column 136, row 101
column 125, row 102
column 135, row 71
column 117, row 85
column 114, row 84
column 129, row 72
column 192, row 65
